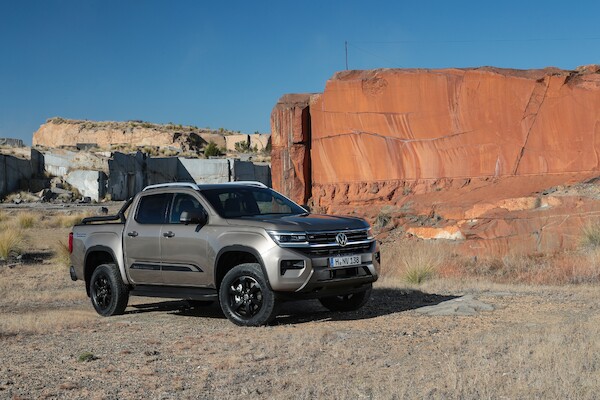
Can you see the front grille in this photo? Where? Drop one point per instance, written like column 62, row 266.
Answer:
column 329, row 237
column 335, row 250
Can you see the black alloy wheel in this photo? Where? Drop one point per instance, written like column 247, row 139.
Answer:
column 108, row 292
column 245, row 296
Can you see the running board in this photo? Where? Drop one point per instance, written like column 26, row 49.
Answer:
column 175, row 292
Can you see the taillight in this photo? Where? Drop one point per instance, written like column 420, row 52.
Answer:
column 70, row 242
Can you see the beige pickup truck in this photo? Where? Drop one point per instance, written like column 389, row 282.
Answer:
column 241, row 244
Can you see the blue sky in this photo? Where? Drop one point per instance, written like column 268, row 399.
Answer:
column 225, row 64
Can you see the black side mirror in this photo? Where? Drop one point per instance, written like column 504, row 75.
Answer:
column 306, row 207
column 190, row 217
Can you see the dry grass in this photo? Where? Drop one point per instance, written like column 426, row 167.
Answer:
column 590, row 236
column 43, row 321
column 34, row 297
column 62, row 256
column 26, row 219
column 65, row 221
column 12, row 243
column 413, row 262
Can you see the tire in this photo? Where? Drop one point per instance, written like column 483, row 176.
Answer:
column 346, row 302
column 108, row 293
column 245, row 296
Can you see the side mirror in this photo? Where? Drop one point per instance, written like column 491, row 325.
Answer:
column 188, row 217
column 306, row 207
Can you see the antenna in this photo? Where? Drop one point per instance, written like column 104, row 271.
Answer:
column 346, row 45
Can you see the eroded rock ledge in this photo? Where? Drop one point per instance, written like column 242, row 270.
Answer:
column 428, row 138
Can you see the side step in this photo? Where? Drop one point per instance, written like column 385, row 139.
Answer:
column 175, row 292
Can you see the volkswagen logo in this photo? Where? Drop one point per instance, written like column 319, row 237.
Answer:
column 341, row 239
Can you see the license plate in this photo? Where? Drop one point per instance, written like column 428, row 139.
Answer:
column 344, row 261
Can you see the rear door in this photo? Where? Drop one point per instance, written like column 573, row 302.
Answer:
column 142, row 238
column 184, row 247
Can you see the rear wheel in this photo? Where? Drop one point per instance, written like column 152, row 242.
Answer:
column 245, row 296
column 108, row 292
column 346, row 302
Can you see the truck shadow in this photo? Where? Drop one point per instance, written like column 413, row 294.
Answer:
column 384, row 301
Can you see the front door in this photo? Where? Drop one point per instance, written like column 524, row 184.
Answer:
column 184, row 247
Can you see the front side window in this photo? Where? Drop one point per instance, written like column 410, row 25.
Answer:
column 184, row 202
column 236, row 202
column 153, row 209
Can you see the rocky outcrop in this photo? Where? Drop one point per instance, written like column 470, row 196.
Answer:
column 429, row 124
column 290, row 140
column 59, row 132
column 462, row 154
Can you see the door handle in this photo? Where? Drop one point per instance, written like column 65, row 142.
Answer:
column 132, row 234
column 168, row 234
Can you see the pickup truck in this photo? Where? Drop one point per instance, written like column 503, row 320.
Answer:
column 241, row 244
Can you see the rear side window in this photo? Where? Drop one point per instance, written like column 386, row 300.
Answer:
column 153, row 209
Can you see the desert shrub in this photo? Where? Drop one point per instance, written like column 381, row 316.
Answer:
column 382, row 219
column 86, row 356
column 421, row 263
column 62, row 256
column 26, row 220
column 242, row 147
column 590, row 235
column 413, row 262
column 12, row 243
column 212, row 150
column 65, row 221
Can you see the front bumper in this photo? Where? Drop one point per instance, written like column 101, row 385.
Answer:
column 317, row 278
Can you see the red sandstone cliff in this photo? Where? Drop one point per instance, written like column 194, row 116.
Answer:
column 483, row 154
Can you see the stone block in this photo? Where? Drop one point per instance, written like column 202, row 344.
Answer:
column 90, row 184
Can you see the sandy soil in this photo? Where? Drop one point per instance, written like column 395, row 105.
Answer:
column 536, row 342
column 444, row 339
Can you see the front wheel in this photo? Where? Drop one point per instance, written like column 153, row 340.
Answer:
column 346, row 302
column 108, row 292
column 245, row 296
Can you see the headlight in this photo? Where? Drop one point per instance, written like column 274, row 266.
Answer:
column 289, row 239
column 370, row 234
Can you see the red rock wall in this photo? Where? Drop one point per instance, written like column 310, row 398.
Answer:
column 290, row 142
column 429, row 124
column 496, row 160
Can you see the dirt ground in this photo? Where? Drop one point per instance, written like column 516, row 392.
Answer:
column 445, row 339
column 530, row 343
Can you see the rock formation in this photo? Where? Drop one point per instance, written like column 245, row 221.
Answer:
column 59, row 132
column 290, row 138
column 454, row 153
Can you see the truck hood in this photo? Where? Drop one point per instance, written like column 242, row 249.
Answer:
column 301, row 223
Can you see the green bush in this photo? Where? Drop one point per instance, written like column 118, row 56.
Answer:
column 212, row 150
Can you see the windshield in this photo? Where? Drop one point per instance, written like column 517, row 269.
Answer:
column 244, row 201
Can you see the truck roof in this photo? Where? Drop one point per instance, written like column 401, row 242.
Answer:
column 205, row 185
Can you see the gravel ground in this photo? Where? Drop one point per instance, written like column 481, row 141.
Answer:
column 513, row 342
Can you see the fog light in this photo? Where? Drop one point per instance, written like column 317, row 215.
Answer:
column 290, row 264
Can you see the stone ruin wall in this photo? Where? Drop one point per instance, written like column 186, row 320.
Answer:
column 375, row 138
